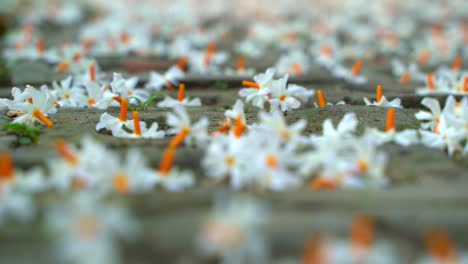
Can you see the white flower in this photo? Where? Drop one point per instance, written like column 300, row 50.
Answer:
column 407, row 73
column 381, row 101
column 276, row 123
column 206, row 62
column 232, row 232
column 236, row 111
column 67, row 95
column 140, row 129
column 294, row 63
column 114, row 124
column 180, row 124
column 226, row 156
column 445, row 137
column 330, row 135
column 170, row 177
column 97, row 96
column 326, row 53
column 126, row 88
column 82, row 168
column 433, row 117
column 257, row 92
column 14, row 205
column 405, row 137
column 169, row 79
column 441, row 82
column 87, row 224
column 328, row 147
column 36, row 110
column 18, row 96
column 181, row 100
column 240, row 70
column 360, row 247
column 349, row 75
column 288, row 97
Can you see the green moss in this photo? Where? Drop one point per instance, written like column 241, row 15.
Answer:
column 26, row 135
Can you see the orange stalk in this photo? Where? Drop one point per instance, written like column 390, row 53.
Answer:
column 436, row 126
column 117, row 99
column 465, row 84
column 322, row 102
column 64, row 150
column 457, row 63
column 430, row 81
column 356, row 67
column 181, row 94
column 179, row 138
column 390, row 121
column 405, row 78
column 92, row 72
column 46, row 121
column 167, row 161
column 7, row 170
column 40, row 45
column 63, row 66
column 378, row 93
column 239, row 127
column 136, row 123
column 251, row 84
column 123, row 109
column 240, row 64
column 210, row 51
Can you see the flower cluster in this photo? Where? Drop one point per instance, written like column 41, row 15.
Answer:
column 445, row 128
column 277, row 92
column 82, row 169
column 284, row 158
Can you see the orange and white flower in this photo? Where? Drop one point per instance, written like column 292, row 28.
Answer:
column 36, row 109
column 381, row 101
column 350, row 75
column 126, row 88
column 140, row 129
column 170, row 102
column 169, row 79
column 287, row 97
column 257, row 91
column 85, row 223
column 116, row 124
column 406, row 137
column 181, row 126
column 232, row 232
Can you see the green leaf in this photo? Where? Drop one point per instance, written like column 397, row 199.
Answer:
column 26, row 134
column 25, row 141
column 144, row 105
column 221, row 85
